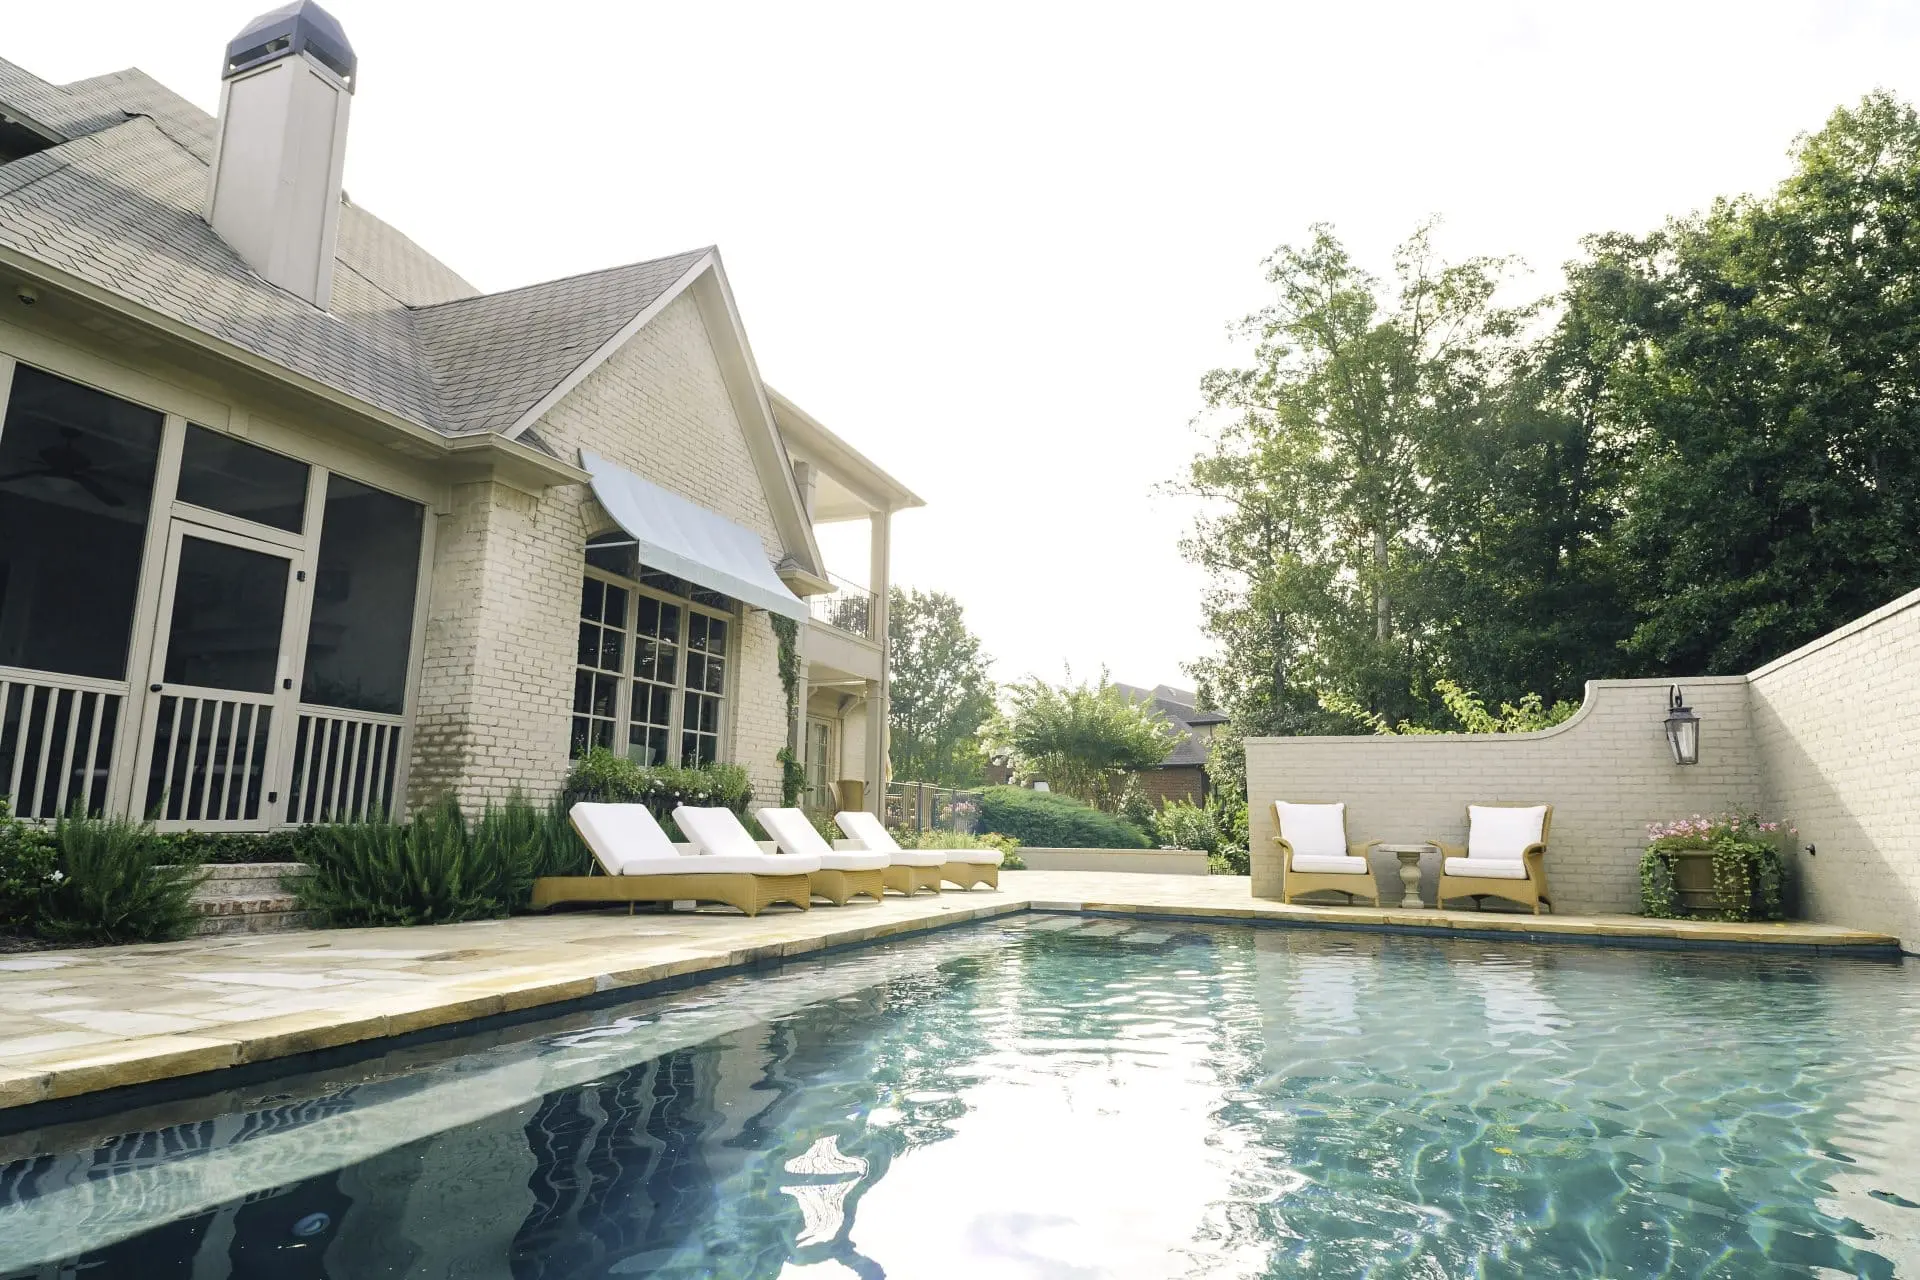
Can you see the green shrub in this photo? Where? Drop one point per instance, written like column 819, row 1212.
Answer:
column 1044, row 820
column 602, row 776
column 436, row 868
column 29, row 867
column 234, row 846
column 116, row 882
column 1136, row 806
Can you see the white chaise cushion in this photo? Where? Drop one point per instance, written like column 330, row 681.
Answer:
column 972, row 857
column 795, row 835
column 1487, row 868
column 1314, row 830
column 1341, row 866
column 625, row 839
column 719, row 835
column 868, row 830
column 1503, row 833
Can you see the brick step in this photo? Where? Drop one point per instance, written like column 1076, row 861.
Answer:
column 248, row 897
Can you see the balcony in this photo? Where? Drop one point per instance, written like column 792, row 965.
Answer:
column 848, row 608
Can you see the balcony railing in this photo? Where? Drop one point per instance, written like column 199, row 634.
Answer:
column 922, row 806
column 849, row 608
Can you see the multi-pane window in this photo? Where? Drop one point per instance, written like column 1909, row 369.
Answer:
column 651, row 678
column 656, row 673
column 819, row 769
column 601, row 663
column 706, row 685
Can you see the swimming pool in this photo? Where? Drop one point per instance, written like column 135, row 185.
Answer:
column 1060, row 1096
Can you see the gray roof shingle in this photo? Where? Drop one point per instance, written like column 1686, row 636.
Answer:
column 119, row 206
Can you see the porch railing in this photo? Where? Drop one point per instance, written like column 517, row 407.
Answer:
column 922, row 806
column 57, row 735
column 848, row 608
column 344, row 765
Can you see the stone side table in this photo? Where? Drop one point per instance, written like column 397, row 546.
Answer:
column 1409, row 855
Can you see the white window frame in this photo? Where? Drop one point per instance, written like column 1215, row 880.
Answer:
column 677, row 704
column 830, row 748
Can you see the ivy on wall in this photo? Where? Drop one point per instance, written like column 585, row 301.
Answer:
column 793, row 774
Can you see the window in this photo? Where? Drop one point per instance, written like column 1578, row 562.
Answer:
column 364, row 581
column 820, row 765
column 596, row 681
column 231, row 476
column 76, row 484
column 650, row 678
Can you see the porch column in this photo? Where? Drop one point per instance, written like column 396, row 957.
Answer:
column 880, row 690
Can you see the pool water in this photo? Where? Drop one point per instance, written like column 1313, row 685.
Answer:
column 1060, row 1096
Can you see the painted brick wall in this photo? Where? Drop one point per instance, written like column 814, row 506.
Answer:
column 1607, row 773
column 1838, row 727
column 497, row 686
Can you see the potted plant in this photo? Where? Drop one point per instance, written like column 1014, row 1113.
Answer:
column 1721, row 866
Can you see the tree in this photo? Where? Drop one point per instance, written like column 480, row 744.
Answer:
column 941, row 694
column 1083, row 740
column 1320, row 475
column 1761, row 364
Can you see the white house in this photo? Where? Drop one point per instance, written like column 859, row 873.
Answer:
column 295, row 524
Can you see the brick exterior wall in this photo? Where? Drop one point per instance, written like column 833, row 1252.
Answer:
column 1181, row 782
column 1838, row 728
column 1607, row 773
column 497, row 679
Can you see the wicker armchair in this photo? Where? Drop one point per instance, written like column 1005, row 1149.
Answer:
column 1508, row 860
column 1323, row 851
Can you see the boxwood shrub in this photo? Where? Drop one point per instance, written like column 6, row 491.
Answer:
column 1047, row 820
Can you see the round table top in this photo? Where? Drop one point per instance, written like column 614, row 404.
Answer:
column 1422, row 847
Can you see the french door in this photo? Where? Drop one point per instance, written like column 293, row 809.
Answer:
column 222, row 685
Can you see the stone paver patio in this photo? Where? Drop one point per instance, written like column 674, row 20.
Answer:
column 74, row 1022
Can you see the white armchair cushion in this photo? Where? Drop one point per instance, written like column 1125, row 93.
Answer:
column 1486, row 868
column 1342, row 865
column 868, row 830
column 623, row 836
column 1314, row 830
column 1501, row 832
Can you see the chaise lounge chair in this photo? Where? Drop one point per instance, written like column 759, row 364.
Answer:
column 642, row 865
column 843, row 872
column 1316, row 854
column 908, row 870
column 1504, row 857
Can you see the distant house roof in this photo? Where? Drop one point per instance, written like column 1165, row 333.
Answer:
column 1178, row 707
column 116, row 203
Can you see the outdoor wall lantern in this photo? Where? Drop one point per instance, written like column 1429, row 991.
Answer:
column 1683, row 728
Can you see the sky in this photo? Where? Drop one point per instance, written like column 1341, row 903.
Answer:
column 995, row 246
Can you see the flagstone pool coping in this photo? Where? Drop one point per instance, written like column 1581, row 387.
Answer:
column 75, row 1024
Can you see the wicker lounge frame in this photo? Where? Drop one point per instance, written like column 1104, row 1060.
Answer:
column 750, row 893
column 838, row 887
column 965, row 875
column 911, row 880
column 1531, row 892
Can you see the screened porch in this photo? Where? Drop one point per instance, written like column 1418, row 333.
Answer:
column 195, row 628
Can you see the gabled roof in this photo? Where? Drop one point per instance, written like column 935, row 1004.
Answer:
column 1177, row 707
column 117, row 205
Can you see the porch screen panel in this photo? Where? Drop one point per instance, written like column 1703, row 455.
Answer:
column 364, row 582
column 221, row 473
column 76, row 488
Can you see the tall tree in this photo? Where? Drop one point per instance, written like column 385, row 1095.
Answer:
column 1765, row 368
column 1320, row 476
column 941, row 693
column 1082, row 739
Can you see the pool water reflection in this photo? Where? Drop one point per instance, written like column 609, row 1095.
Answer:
column 1058, row 1096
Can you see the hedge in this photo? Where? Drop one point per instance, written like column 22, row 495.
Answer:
column 1046, row 820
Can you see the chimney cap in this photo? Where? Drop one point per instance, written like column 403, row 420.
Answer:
column 299, row 27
